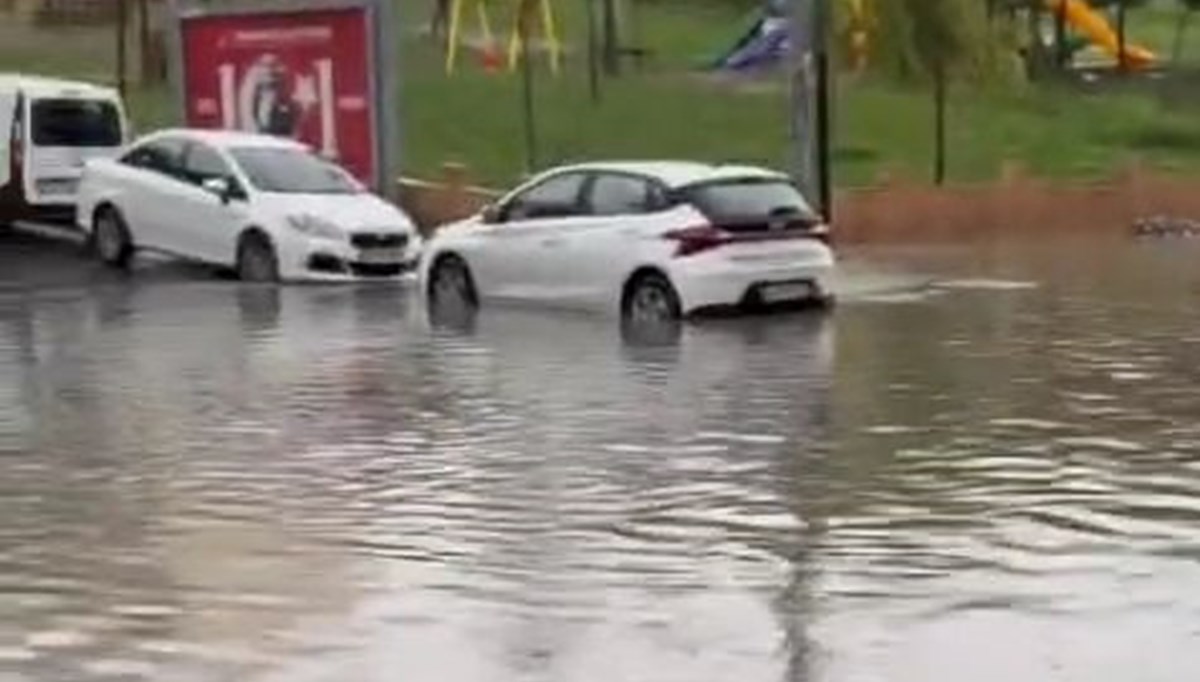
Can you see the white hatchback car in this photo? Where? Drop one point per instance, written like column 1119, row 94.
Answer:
column 651, row 240
column 266, row 207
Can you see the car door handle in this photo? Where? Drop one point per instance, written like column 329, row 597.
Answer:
column 550, row 242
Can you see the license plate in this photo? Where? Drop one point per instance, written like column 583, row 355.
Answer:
column 378, row 256
column 786, row 292
column 57, row 187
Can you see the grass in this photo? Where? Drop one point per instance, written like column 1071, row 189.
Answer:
column 669, row 110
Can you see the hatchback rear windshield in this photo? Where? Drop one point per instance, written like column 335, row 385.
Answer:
column 749, row 199
column 75, row 123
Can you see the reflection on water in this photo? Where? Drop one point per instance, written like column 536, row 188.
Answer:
column 991, row 476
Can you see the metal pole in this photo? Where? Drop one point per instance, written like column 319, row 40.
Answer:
column 800, row 102
column 823, row 127
column 593, row 49
column 531, row 160
column 612, row 56
column 389, row 84
column 809, row 111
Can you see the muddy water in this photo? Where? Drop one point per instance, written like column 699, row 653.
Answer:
column 983, row 466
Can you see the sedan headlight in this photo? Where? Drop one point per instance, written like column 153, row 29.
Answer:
column 313, row 226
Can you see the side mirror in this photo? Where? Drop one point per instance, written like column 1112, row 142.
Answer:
column 492, row 214
column 221, row 187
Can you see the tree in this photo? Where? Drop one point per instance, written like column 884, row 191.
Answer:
column 1186, row 8
column 939, row 45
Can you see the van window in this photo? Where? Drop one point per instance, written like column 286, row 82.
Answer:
column 8, row 110
column 75, row 123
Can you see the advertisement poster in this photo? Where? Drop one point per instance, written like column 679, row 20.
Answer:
column 304, row 74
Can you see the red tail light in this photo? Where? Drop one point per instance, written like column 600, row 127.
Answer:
column 18, row 153
column 693, row 240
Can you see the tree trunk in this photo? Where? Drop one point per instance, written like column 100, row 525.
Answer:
column 1122, row 57
column 1061, row 54
column 1035, row 55
column 939, row 124
column 122, row 46
column 145, row 73
column 1181, row 27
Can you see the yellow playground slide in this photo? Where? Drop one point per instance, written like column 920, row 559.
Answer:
column 1093, row 24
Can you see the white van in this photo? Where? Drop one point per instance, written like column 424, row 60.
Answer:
column 48, row 129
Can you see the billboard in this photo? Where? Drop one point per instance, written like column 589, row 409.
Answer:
column 308, row 72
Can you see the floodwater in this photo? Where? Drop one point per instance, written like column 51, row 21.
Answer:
column 983, row 466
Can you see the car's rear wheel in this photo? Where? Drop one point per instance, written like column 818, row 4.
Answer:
column 110, row 238
column 450, row 282
column 256, row 260
column 651, row 298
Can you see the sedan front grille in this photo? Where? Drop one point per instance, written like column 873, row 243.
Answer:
column 379, row 240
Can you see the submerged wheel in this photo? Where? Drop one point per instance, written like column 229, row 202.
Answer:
column 110, row 238
column 256, row 260
column 651, row 298
column 450, row 282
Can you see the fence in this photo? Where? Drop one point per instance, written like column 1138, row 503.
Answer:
column 897, row 211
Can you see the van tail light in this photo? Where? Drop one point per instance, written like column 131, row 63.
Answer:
column 18, row 152
column 693, row 240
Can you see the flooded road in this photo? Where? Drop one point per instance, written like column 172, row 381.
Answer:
column 984, row 465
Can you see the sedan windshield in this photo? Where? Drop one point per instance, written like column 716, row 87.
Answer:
column 292, row 171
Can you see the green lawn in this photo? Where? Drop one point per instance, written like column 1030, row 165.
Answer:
column 670, row 110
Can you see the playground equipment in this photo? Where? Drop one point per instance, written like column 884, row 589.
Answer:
column 768, row 40
column 528, row 12
column 860, row 24
column 1092, row 24
column 765, row 43
column 526, row 16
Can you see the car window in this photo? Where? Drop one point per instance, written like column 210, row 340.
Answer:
column 203, row 163
column 163, row 155
column 751, row 198
column 556, row 197
column 75, row 123
column 613, row 194
column 290, row 170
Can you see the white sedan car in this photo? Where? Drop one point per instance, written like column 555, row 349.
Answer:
column 650, row 240
column 265, row 207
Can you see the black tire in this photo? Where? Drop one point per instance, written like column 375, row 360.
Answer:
column 110, row 239
column 650, row 298
column 450, row 282
column 825, row 302
column 256, row 259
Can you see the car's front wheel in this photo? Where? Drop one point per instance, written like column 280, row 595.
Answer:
column 649, row 297
column 450, row 282
column 256, row 259
column 110, row 238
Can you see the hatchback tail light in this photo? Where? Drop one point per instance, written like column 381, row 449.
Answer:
column 693, row 240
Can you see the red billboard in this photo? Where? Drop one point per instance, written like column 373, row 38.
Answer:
column 304, row 74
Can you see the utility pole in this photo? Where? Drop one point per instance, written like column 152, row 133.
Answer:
column 809, row 104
